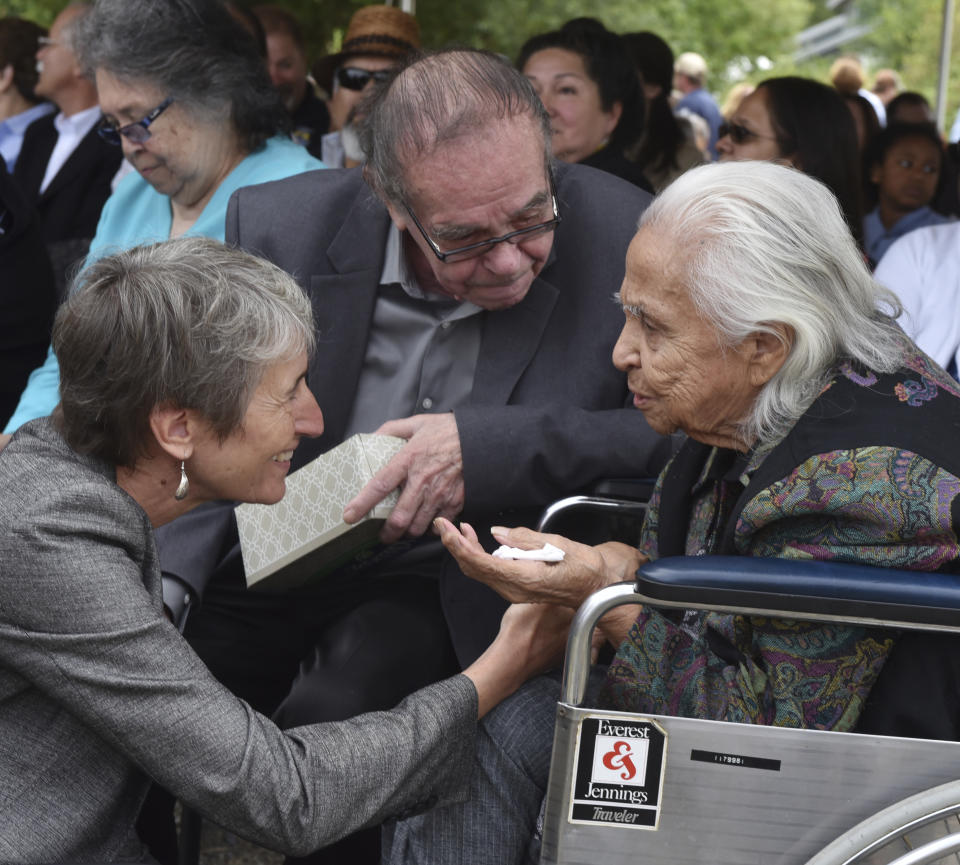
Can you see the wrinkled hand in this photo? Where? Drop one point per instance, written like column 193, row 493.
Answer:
column 583, row 570
column 4, row 440
column 429, row 468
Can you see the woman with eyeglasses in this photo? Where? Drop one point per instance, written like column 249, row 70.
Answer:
column 806, row 124
column 185, row 93
column 586, row 81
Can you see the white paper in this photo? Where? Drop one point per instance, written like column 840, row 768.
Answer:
column 547, row 553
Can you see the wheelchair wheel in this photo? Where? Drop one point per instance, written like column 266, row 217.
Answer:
column 923, row 828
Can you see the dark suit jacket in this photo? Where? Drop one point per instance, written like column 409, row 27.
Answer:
column 27, row 294
column 70, row 206
column 548, row 412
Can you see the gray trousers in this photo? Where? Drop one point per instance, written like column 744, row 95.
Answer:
column 501, row 821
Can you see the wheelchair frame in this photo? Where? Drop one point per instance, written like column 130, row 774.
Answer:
column 734, row 794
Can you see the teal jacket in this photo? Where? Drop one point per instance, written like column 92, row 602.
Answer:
column 136, row 213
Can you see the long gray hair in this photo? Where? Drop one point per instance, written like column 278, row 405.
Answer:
column 760, row 244
column 189, row 321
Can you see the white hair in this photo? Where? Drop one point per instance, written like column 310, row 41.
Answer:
column 763, row 244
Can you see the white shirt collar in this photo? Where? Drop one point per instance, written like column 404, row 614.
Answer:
column 78, row 124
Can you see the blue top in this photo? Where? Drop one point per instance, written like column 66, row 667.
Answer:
column 14, row 128
column 136, row 213
column 700, row 102
column 877, row 239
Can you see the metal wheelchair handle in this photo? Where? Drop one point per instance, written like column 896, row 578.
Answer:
column 576, row 669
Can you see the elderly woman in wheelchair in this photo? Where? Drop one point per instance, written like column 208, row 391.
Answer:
column 816, row 430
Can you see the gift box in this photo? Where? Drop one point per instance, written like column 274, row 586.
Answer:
column 303, row 537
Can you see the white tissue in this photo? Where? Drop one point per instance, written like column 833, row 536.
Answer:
column 547, row 553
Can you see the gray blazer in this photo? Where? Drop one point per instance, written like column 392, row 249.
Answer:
column 548, row 413
column 99, row 693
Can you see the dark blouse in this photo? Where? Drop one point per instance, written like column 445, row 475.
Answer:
column 870, row 474
column 607, row 159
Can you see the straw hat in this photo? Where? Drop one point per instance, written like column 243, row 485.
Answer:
column 380, row 31
column 385, row 31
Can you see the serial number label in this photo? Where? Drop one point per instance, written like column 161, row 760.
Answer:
column 735, row 760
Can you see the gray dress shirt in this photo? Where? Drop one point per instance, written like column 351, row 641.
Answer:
column 422, row 349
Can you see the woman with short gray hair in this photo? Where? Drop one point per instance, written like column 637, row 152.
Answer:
column 232, row 316
column 816, row 430
column 186, row 94
column 184, row 380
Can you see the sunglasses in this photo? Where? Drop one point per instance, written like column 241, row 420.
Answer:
column 137, row 132
column 739, row 133
column 354, row 78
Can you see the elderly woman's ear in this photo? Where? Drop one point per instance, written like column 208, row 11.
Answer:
column 174, row 429
column 768, row 352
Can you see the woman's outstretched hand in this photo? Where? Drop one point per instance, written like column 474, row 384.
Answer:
column 531, row 640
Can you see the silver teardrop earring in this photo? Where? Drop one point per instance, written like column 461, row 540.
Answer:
column 184, row 486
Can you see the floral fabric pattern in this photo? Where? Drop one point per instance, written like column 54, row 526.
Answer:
column 870, row 505
column 915, row 392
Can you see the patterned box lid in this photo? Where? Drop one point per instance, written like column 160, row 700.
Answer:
column 303, row 536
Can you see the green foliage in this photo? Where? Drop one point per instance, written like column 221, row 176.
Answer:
column 41, row 11
column 731, row 34
column 906, row 37
column 721, row 31
column 724, row 32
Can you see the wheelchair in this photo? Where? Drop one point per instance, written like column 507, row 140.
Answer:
column 658, row 790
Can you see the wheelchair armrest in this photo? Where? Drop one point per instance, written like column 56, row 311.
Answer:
column 803, row 589
column 625, row 489
column 783, row 588
column 612, row 511
column 573, row 505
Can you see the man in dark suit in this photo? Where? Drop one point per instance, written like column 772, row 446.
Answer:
column 64, row 168
column 27, row 294
column 462, row 293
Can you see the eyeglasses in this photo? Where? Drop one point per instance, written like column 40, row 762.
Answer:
column 354, row 78
column 46, row 42
column 739, row 133
column 137, row 132
column 475, row 250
